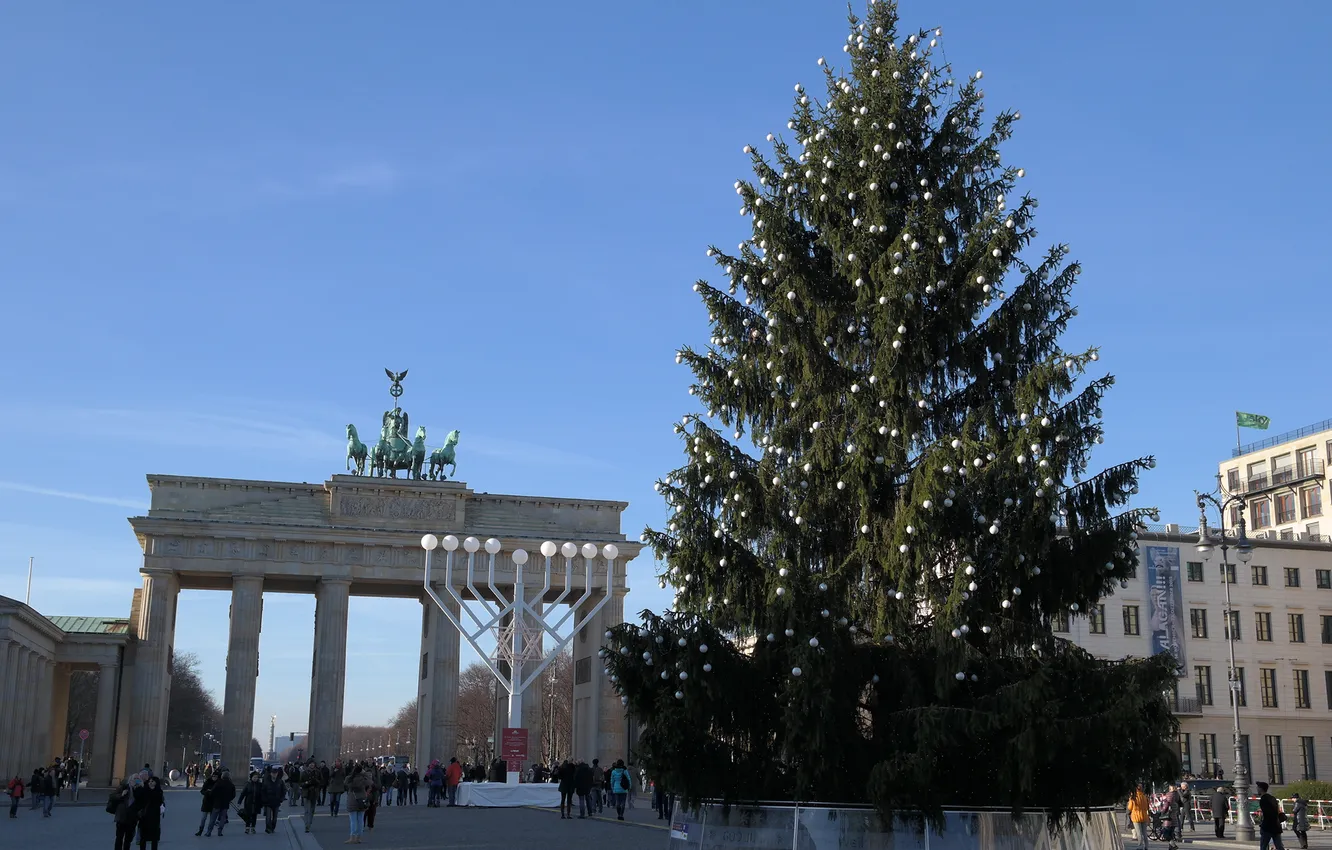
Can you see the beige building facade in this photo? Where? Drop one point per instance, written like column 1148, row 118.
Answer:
column 1283, row 479
column 1282, row 603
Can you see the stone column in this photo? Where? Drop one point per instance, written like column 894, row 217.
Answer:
column 247, row 612
column 104, row 723
column 9, row 685
column 328, row 684
column 15, row 732
column 155, row 630
column 599, row 727
column 612, row 725
column 437, row 709
column 41, row 727
column 60, row 709
column 28, row 709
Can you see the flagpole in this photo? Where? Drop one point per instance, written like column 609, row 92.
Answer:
column 1237, row 434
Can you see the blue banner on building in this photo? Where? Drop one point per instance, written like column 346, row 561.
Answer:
column 1165, row 603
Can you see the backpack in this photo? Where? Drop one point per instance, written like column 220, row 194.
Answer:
column 624, row 781
column 113, row 803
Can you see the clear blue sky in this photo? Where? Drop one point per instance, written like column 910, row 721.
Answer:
column 218, row 224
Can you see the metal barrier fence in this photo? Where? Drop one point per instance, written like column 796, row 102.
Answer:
column 1320, row 811
column 800, row 827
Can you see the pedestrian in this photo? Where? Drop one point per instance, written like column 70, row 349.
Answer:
column 149, row 804
column 1299, row 820
column 273, row 791
column 206, row 805
column 400, row 782
column 35, row 786
column 323, row 782
column 1220, row 808
column 583, row 788
column 568, row 776
column 621, row 783
column 453, row 776
column 372, row 775
column 120, row 804
column 293, row 784
column 223, row 792
column 1139, row 810
column 250, row 801
column 358, row 794
column 413, row 780
column 598, row 781
column 1174, row 813
column 311, row 781
column 49, row 791
column 662, row 800
column 1186, row 800
column 1269, row 827
column 15, row 791
column 337, row 785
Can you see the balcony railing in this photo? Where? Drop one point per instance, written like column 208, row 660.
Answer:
column 1267, row 443
column 1285, row 476
column 1187, row 705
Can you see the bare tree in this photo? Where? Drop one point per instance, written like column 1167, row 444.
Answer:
column 556, row 692
column 82, row 711
column 477, row 692
column 192, row 712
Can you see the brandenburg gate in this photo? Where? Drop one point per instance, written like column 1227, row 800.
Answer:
column 360, row 535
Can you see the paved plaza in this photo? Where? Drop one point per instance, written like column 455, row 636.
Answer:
column 89, row 827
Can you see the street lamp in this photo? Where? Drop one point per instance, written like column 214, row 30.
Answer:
column 1243, row 551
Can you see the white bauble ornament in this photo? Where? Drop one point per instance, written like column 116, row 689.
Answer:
column 795, row 671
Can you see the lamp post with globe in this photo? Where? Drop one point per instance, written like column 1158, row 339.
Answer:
column 523, row 639
column 1244, row 552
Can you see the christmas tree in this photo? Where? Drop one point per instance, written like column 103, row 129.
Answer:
column 885, row 505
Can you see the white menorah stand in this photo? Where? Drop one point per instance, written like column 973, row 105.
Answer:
column 518, row 644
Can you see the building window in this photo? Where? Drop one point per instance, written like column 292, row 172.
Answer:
column 1327, row 685
column 1257, row 475
column 1096, row 620
column 1131, row 620
column 1306, row 462
column 1243, row 691
column 1198, row 619
column 1285, row 508
column 1302, row 689
column 1262, row 625
column 1311, row 529
column 1202, row 679
column 1235, row 516
column 1292, row 576
column 1195, row 571
column 1244, row 754
column 1311, row 501
column 1060, row 622
column 1259, row 574
column 1295, row 623
column 1228, row 573
column 1233, row 626
column 1207, row 752
column 1233, row 479
column 425, row 664
column 1325, row 623
column 1275, row 774
column 1308, row 768
column 1260, row 512
column 1185, row 754
column 1323, row 578
column 583, row 671
column 1267, row 676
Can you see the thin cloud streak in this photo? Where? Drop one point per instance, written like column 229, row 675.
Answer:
column 68, row 494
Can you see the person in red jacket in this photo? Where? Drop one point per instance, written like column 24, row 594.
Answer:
column 15, row 791
column 452, row 777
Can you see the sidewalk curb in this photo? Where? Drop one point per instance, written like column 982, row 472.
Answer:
column 606, row 820
column 297, row 837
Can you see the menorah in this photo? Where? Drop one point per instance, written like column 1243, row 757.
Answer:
column 517, row 644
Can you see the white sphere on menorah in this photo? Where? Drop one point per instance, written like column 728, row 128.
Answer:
column 492, row 546
column 568, row 550
column 519, row 556
column 471, row 544
column 610, row 551
column 429, row 542
column 589, row 550
column 450, row 542
column 549, row 549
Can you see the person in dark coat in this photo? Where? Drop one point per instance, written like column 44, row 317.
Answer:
column 1220, row 808
column 567, row 775
column 250, row 801
column 1269, row 826
column 273, row 792
column 224, row 791
column 148, row 803
column 583, row 788
column 206, row 804
column 121, row 805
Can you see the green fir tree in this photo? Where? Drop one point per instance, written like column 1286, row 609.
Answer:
column 885, row 501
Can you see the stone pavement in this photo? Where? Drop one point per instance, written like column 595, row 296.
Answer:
column 419, row 827
column 89, row 827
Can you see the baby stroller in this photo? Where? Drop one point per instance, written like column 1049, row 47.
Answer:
column 1156, row 830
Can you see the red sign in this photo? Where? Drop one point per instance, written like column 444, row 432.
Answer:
column 513, row 744
column 83, row 734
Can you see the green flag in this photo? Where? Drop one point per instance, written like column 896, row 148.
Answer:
column 1251, row 420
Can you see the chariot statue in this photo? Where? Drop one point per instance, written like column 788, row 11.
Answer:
column 395, row 450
